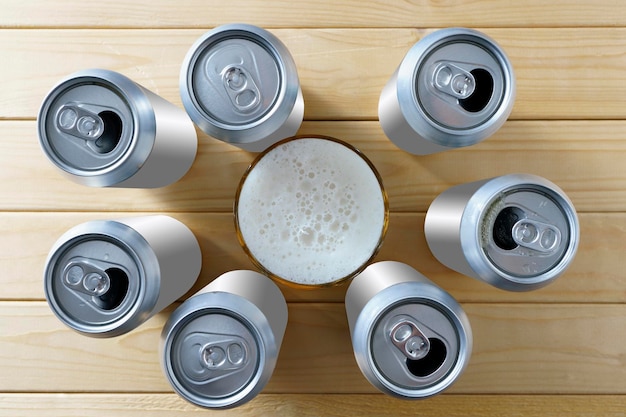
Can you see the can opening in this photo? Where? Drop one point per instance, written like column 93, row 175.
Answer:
column 431, row 362
column 117, row 291
column 112, row 132
column 503, row 227
column 483, row 91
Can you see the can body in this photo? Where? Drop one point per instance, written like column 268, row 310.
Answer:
column 102, row 129
column 239, row 84
column 454, row 88
column 104, row 278
column 517, row 232
column 411, row 339
column 220, row 347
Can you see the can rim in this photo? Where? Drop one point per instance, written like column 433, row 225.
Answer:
column 141, row 253
column 470, row 231
column 391, row 297
column 274, row 117
column 413, row 112
column 239, row 308
column 143, row 129
column 284, row 280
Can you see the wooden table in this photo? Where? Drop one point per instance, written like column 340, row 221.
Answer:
column 557, row 351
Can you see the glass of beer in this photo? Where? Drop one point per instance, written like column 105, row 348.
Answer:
column 311, row 211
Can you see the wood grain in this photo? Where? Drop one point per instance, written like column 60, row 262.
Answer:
column 518, row 349
column 585, row 158
column 325, row 13
column 562, row 73
column 314, row 405
column 594, row 277
column 558, row 351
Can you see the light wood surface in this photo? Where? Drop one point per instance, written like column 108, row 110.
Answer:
column 563, row 73
column 314, row 405
column 309, row 13
column 521, row 348
column 558, row 351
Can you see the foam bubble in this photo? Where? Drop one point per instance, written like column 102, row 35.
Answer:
column 325, row 205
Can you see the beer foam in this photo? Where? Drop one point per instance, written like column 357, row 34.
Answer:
column 311, row 211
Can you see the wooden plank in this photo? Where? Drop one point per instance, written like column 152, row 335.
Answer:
column 325, row 13
column 342, row 71
column 313, row 405
column 557, row 351
column 594, row 277
column 585, row 158
column 518, row 349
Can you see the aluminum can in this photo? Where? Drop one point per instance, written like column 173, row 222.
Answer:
column 219, row 348
column 517, row 232
column 102, row 129
column 454, row 88
column 104, row 278
column 240, row 85
column 411, row 339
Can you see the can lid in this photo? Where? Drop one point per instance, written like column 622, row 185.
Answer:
column 214, row 356
column 527, row 231
column 218, row 350
column 93, row 283
column 236, row 78
column 94, row 125
column 415, row 346
column 460, row 82
column 411, row 339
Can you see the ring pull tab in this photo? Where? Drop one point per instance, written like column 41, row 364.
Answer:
column 453, row 80
column 208, row 357
column 537, row 236
column 86, row 278
column 241, row 88
column 409, row 339
column 79, row 122
column 224, row 355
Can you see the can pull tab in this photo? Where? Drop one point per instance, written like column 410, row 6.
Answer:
column 535, row 235
column 224, row 355
column 241, row 88
column 453, row 80
column 80, row 122
column 82, row 276
column 206, row 357
column 409, row 339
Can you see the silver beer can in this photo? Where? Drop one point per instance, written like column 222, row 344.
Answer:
column 517, row 232
column 454, row 88
column 219, row 348
column 239, row 84
column 102, row 129
column 411, row 339
column 104, row 278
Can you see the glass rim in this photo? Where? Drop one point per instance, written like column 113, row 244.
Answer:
column 287, row 281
